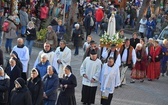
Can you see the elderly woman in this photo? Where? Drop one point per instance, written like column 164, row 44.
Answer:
column 30, row 36
column 42, row 66
column 35, row 86
column 154, row 57
column 20, row 95
column 138, row 72
column 51, row 37
column 50, row 84
column 164, row 60
column 67, row 84
column 4, row 87
column 76, row 38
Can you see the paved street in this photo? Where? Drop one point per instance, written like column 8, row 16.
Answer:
column 147, row 93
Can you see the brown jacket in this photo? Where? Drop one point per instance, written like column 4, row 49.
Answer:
column 52, row 37
column 12, row 31
column 129, row 55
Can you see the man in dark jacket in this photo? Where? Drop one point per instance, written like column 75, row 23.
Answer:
column 134, row 40
column 119, row 21
column 133, row 16
column 51, row 83
column 89, row 23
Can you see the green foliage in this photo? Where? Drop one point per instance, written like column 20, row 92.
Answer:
column 41, row 35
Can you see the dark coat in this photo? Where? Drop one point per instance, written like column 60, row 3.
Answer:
column 134, row 42
column 20, row 96
column 31, row 34
column 67, row 95
column 119, row 22
column 14, row 74
column 87, row 22
column 75, row 36
column 36, row 89
column 50, row 86
column 4, row 87
column 1, row 57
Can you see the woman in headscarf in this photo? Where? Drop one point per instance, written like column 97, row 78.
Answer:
column 50, row 84
column 67, row 84
column 14, row 55
column 76, row 38
column 20, row 95
column 35, row 86
column 4, row 87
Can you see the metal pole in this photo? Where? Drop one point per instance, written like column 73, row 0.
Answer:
column 64, row 12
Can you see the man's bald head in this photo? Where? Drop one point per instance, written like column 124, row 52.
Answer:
column 20, row 41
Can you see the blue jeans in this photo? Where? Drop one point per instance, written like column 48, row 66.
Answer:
column 76, row 50
column 29, row 44
column 132, row 23
column 8, row 43
column 0, row 38
column 97, row 23
column 23, row 30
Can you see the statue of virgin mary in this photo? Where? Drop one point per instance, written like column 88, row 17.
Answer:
column 111, row 30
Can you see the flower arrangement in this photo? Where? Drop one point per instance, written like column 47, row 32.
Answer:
column 41, row 35
column 107, row 41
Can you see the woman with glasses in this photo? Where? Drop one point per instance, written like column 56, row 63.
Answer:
column 35, row 86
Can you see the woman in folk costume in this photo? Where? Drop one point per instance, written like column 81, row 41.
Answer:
column 138, row 72
column 111, row 30
column 108, row 79
column 154, row 57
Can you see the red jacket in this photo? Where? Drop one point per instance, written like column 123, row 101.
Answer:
column 99, row 15
column 44, row 12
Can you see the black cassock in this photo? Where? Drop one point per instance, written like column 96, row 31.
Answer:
column 67, row 95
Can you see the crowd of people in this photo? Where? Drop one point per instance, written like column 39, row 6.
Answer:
column 102, row 66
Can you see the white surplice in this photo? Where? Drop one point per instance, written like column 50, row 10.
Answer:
column 65, row 57
column 109, row 79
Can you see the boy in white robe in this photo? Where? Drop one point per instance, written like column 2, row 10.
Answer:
column 62, row 58
column 90, row 71
column 108, row 79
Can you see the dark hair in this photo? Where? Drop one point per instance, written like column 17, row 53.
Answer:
column 127, row 39
column 92, row 42
column 69, row 68
column 110, row 58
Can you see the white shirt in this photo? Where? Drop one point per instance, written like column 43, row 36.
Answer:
column 124, row 56
column 12, row 68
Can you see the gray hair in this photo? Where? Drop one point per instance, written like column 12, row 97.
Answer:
column 138, row 45
column 44, row 56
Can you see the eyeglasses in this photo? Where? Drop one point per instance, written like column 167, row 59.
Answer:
column 46, row 46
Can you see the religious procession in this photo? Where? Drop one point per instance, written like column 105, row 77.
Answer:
column 67, row 52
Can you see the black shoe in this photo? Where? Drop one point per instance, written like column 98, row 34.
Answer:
column 149, row 79
column 132, row 82
column 84, row 103
column 142, row 81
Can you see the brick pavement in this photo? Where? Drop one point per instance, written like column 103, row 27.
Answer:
column 147, row 93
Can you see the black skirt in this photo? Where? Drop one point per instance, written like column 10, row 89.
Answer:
column 65, row 99
column 107, row 101
column 88, row 94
